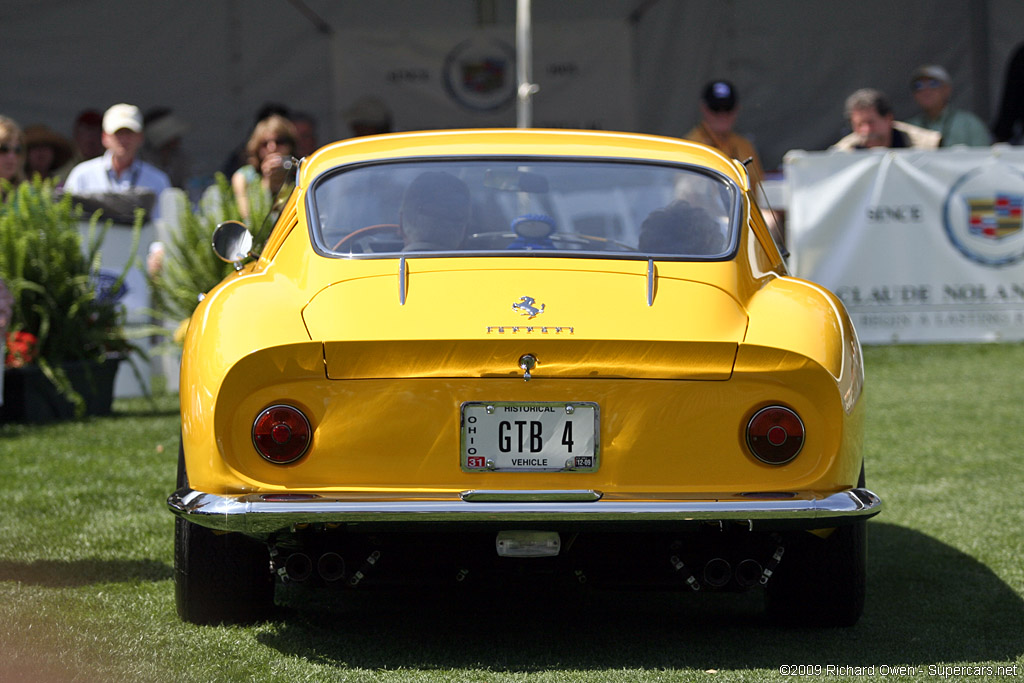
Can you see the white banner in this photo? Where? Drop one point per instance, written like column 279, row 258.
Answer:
column 465, row 78
column 920, row 246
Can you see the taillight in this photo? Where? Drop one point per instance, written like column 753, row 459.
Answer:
column 775, row 435
column 281, row 434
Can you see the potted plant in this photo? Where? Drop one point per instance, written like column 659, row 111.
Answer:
column 66, row 333
column 188, row 267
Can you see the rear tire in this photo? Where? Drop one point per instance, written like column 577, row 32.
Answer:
column 821, row 581
column 219, row 578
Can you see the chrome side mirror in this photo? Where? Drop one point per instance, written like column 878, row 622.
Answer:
column 232, row 242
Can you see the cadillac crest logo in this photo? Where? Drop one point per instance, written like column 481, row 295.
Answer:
column 479, row 74
column 984, row 215
column 995, row 217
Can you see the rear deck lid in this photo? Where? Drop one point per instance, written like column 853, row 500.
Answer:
column 580, row 319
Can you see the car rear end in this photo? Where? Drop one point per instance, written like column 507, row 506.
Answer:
column 564, row 396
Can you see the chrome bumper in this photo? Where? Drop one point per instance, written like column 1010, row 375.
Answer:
column 263, row 514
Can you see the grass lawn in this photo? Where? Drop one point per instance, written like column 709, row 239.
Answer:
column 86, row 590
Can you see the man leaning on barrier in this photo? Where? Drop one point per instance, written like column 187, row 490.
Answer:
column 870, row 117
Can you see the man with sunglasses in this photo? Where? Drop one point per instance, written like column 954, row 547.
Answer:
column 932, row 89
column 12, row 152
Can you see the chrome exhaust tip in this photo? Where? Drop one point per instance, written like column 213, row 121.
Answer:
column 717, row 572
column 330, row 567
column 298, row 567
column 748, row 573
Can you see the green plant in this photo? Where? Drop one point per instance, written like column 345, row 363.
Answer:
column 52, row 271
column 190, row 268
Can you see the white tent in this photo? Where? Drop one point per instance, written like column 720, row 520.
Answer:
column 216, row 61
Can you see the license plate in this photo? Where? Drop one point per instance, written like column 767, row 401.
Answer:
column 506, row 436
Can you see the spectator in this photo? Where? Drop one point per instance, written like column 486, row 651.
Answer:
column 86, row 140
column 719, row 107
column 239, row 156
column 435, row 212
column 12, row 151
column 164, row 145
column 368, row 116
column 870, row 116
column 269, row 153
column 87, row 134
column 47, row 153
column 305, row 131
column 932, row 88
column 1009, row 127
column 119, row 171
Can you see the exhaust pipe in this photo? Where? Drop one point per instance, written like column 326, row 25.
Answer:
column 298, row 567
column 330, row 567
column 717, row 572
column 748, row 573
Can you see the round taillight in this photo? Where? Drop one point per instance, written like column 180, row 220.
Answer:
column 775, row 435
column 281, row 434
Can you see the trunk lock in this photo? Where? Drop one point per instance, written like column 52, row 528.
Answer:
column 527, row 362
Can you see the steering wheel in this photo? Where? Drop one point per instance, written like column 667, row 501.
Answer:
column 369, row 230
column 578, row 238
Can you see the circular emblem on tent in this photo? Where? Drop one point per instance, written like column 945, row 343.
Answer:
column 479, row 74
column 984, row 215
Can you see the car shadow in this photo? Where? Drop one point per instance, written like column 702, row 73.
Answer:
column 927, row 603
column 63, row 573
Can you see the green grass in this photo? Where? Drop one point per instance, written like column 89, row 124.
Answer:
column 86, row 590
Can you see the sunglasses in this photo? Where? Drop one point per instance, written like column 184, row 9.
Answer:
column 7, row 149
column 926, row 84
column 277, row 141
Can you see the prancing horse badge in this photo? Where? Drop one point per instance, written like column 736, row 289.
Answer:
column 525, row 307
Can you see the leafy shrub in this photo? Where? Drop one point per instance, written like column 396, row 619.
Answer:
column 190, row 268
column 52, row 272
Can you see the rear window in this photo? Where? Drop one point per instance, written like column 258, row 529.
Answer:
column 535, row 207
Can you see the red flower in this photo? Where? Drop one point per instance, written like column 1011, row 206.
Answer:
column 21, row 349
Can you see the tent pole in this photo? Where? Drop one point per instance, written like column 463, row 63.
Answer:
column 524, row 66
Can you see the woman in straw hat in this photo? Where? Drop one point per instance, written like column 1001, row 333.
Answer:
column 47, row 153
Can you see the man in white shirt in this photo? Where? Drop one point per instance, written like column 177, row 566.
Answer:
column 119, row 170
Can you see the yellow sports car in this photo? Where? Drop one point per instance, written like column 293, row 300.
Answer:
column 519, row 355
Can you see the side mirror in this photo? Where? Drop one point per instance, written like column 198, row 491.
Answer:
column 232, row 242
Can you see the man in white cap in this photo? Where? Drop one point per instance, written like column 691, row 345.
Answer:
column 932, row 89
column 119, row 170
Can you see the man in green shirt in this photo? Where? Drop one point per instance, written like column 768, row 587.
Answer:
column 932, row 88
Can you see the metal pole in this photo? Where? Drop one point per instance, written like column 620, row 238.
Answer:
column 524, row 66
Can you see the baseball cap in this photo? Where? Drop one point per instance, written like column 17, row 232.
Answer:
column 719, row 96
column 122, row 116
column 931, row 71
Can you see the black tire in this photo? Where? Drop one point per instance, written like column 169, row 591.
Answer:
column 219, row 578
column 821, row 581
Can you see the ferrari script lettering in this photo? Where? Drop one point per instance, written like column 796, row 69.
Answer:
column 530, row 329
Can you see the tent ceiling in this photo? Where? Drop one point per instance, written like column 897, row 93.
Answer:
column 215, row 63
